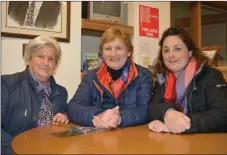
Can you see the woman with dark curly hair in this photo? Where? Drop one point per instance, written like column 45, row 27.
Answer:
column 189, row 95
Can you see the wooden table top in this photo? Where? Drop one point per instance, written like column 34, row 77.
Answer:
column 131, row 140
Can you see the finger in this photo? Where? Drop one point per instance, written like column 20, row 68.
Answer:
column 180, row 128
column 152, row 126
column 94, row 123
column 186, row 118
column 166, row 129
column 105, row 123
column 116, row 108
column 57, row 119
column 107, row 114
column 63, row 118
column 54, row 123
column 187, row 122
column 98, row 122
column 67, row 121
column 115, row 117
column 113, row 122
column 97, row 125
column 54, row 118
column 108, row 123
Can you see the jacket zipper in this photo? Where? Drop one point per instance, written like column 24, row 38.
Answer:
column 190, row 97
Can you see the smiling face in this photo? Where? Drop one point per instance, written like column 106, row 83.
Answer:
column 115, row 54
column 43, row 63
column 175, row 54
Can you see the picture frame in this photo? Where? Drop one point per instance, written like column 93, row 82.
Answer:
column 211, row 52
column 52, row 19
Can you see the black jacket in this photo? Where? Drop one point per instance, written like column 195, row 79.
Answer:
column 206, row 102
column 20, row 104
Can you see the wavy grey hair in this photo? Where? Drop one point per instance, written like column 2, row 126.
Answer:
column 38, row 43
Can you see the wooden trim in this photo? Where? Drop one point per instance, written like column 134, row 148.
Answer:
column 103, row 26
column 216, row 4
column 195, row 22
column 222, row 69
column 206, row 19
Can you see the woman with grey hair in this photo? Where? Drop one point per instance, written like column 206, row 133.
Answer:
column 32, row 98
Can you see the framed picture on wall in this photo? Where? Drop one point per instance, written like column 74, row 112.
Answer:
column 28, row 19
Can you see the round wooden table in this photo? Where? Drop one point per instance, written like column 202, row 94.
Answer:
column 131, row 140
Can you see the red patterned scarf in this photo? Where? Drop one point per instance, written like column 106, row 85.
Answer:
column 116, row 87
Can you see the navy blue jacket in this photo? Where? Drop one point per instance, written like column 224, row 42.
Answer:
column 133, row 101
column 20, row 104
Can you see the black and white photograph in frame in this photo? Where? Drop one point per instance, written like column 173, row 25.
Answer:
column 27, row 19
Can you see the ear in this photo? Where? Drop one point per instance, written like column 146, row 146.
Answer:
column 129, row 54
column 190, row 54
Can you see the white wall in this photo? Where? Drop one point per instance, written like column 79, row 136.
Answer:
column 133, row 19
column 68, row 73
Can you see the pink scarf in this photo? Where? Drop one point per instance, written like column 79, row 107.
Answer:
column 176, row 87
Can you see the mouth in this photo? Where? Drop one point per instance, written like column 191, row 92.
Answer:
column 172, row 61
column 45, row 69
column 115, row 59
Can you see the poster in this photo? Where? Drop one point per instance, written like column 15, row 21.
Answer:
column 148, row 48
column 148, row 21
column 90, row 61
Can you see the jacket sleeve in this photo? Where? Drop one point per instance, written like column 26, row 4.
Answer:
column 63, row 108
column 158, row 107
column 138, row 114
column 82, row 108
column 6, row 137
column 214, row 119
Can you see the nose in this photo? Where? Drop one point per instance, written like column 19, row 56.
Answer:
column 46, row 61
column 171, row 54
column 113, row 52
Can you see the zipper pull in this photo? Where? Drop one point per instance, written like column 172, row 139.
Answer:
column 25, row 112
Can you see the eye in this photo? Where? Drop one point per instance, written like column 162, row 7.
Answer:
column 165, row 50
column 107, row 48
column 178, row 49
column 119, row 48
column 41, row 56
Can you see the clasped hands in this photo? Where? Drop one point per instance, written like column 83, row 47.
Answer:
column 174, row 121
column 60, row 117
column 108, row 119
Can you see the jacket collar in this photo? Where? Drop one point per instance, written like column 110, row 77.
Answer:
column 161, row 77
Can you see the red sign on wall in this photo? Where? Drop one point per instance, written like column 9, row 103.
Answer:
column 148, row 21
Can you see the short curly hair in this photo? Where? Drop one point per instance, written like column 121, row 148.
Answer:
column 113, row 33
column 38, row 43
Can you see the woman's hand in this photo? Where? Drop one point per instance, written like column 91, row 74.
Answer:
column 176, row 121
column 107, row 119
column 59, row 117
column 158, row 126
